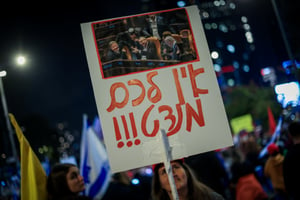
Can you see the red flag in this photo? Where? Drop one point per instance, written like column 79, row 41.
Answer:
column 272, row 123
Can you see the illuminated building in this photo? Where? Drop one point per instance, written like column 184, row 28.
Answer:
column 230, row 41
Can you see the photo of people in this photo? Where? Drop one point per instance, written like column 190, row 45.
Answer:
column 143, row 42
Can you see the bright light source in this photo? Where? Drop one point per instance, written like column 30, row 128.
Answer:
column 3, row 73
column 230, row 82
column 214, row 55
column 249, row 37
column 230, row 48
column 246, row 27
column 222, row 3
column 223, row 28
column 205, row 14
column 244, row 19
column 236, row 64
column 217, row 67
column 217, row 3
column 265, row 71
column 148, row 171
column 288, row 94
column 232, row 6
column 246, row 68
column 135, row 181
column 180, row 4
column 21, row 60
column 214, row 25
column 3, row 183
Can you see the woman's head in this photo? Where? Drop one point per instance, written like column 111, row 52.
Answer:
column 185, row 181
column 179, row 173
column 64, row 180
column 182, row 178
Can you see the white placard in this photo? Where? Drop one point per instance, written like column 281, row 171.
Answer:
column 141, row 92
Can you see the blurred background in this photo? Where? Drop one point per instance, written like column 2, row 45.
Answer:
column 254, row 45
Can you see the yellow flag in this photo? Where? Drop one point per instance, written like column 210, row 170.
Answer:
column 33, row 176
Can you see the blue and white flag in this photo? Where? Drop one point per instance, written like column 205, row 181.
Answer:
column 94, row 164
column 274, row 137
column 97, row 128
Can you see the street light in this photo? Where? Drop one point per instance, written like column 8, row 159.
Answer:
column 8, row 124
column 21, row 60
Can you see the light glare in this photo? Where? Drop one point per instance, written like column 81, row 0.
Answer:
column 3, row 73
column 21, row 60
column 217, row 68
column 180, row 4
column 214, row 55
column 230, row 82
column 135, row 181
column 230, row 48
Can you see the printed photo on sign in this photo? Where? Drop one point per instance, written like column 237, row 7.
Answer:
column 144, row 42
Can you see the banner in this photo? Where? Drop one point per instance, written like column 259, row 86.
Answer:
column 154, row 71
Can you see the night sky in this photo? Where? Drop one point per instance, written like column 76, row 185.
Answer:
column 55, row 83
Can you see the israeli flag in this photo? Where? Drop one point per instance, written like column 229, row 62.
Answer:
column 94, row 164
column 273, row 139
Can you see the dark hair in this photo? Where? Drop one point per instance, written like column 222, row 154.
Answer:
column 294, row 129
column 166, row 33
column 196, row 189
column 57, row 185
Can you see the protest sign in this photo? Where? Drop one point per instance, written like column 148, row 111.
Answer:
column 145, row 79
column 242, row 123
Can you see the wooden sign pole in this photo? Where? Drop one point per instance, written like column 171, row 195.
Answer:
column 167, row 154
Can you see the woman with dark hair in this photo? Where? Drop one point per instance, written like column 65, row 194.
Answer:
column 188, row 187
column 65, row 183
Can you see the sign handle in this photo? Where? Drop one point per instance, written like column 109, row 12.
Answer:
column 167, row 154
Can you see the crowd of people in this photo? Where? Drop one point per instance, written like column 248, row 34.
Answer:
column 150, row 37
column 138, row 47
column 235, row 173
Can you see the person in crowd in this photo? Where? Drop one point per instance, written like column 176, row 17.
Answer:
column 120, row 187
column 114, row 51
column 210, row 170
column 166, row 50
column 188, row 187
column 65, row 183
column 148, row 50
column 153, row 23
column 273, row 170
column 247, row 187
column 134, row 44
column 128, row 40
column 291, row 163
column 175, row 53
